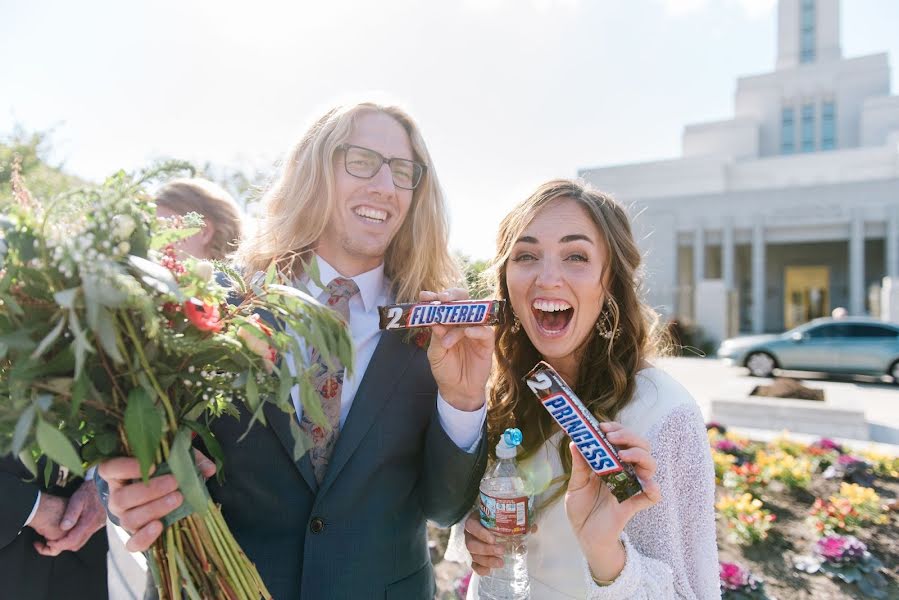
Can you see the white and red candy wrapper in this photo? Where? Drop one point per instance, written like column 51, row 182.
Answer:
column 583, row 429
column 427, row 314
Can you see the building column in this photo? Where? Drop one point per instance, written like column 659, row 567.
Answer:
column 758, row 275
column 857, row 263
column 727, row 254
column 892, row 242
column 698, row 255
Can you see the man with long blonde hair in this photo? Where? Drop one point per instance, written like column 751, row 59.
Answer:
column 359, row 196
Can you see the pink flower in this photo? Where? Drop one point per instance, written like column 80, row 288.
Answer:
column 462, row 585
column 733, row 576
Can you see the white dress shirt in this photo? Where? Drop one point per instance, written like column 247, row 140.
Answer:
column 463, row 427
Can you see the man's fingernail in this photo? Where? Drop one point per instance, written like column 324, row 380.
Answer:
column 66, row 524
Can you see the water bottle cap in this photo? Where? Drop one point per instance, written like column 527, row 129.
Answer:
column 508, row 444
column 512, row 437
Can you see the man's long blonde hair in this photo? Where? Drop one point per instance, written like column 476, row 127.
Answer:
column 298, row 205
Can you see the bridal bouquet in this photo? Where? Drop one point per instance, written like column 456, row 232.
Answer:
column 111, row 345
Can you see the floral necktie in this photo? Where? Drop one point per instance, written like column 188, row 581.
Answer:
column 328, row 382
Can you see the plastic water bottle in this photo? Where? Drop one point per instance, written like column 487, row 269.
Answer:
column 505, row 510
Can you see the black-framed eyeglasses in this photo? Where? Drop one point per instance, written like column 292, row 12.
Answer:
column 365, row 163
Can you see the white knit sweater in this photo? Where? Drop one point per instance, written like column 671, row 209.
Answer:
column 671, row 549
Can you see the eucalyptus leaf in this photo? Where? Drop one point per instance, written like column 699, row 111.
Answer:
column 156, row 276
column 143, row 428
column 80, row 389
column 181, row 461
column 252, row 391
column 66, row 298
column 212, row 444
column 23, row 427
column 106, row 333
column 58, row 448
column 49, row 338
column 302, row 443
column 312, row 407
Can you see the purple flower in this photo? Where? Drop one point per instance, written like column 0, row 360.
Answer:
column 848, row 459
column 726, row 446
column 840, row 548
column 828, row 444
column 715, row 425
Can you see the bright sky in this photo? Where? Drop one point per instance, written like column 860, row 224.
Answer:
column 508, row 92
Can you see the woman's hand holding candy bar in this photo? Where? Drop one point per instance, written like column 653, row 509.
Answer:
column 596, row 516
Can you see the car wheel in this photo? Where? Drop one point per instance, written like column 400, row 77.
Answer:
column 894, row 372
column 760, row 364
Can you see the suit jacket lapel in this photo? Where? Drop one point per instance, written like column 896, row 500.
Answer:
column 279, row 421
column 388, row 365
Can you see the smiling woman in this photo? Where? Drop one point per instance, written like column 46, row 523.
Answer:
column 569, row 268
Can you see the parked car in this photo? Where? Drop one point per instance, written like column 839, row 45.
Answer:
column 849, row 345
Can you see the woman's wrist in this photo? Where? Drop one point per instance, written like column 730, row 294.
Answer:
column 606, row 561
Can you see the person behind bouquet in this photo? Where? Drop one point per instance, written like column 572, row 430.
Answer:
column 221, row 231
column 51, row 545
column 569, row 267
column 359, row 195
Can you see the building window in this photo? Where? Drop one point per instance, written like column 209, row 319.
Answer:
column 828, row 126
column 787, row 132
column 807, row 31
column 808, row 128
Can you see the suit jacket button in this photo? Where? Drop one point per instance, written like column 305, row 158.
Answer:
column 316, row 525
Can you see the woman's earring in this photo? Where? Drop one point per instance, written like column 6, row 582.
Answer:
column 516, row 324
column 604, row 326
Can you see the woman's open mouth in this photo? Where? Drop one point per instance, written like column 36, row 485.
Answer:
column 552, row 316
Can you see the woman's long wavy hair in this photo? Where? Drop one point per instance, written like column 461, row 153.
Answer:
column 606, row 377
column 298, row 205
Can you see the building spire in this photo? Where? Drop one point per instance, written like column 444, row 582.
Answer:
column 808, row 31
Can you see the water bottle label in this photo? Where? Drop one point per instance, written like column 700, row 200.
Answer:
column 506, row 516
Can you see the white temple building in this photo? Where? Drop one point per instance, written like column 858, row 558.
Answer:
column 787, row 210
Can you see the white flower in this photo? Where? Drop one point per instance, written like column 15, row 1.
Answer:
column 204, row 270
column 123, row 226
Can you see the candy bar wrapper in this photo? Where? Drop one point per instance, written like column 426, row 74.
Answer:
column 426, row 314
column 583, row 429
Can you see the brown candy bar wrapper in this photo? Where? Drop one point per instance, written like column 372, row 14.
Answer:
column 426, row 314
column 583, row 429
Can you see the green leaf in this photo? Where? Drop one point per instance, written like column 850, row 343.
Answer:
column 27, row 459
column 285, row 384
column 80, row 345
column 143, row 428
column 182, row 464
column 49, row 338
column 66, row 298
column 311, row 269
column 252, row 390
column 312, row 406
column 106, row 333
column 156, row 276
column 107, row 442
column 23, row 427
column 212, row 444
column 99, row 290
column 58, row 448
column 301, row 440
column 79, row 392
